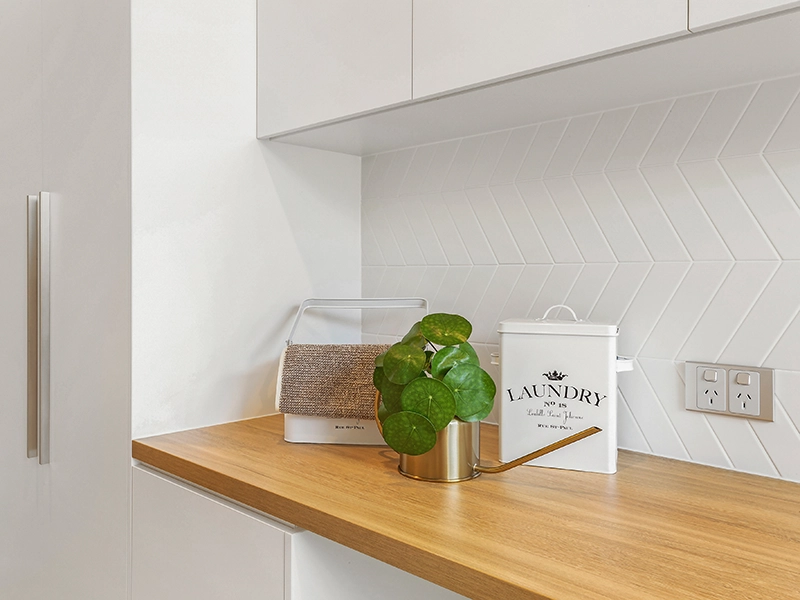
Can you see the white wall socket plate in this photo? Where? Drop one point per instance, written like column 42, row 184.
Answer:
column 729, row 390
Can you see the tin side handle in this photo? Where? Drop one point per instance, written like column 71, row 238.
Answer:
column 572, row 312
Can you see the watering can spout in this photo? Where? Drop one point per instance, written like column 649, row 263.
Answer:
column 540, row 452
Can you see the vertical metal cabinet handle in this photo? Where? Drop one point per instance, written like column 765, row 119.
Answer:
column 43, row 211
column 33, row 327
column 39, row 327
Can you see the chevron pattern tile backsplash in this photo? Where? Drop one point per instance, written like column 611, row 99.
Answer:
column 677, row 220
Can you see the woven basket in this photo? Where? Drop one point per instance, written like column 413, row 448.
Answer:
column 328, row 380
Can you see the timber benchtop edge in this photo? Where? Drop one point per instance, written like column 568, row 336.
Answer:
column 659, row 528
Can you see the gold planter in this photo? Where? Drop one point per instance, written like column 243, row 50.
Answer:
column 453, row 458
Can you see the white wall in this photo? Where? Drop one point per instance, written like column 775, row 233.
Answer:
column 229, row 233
column 677, row 220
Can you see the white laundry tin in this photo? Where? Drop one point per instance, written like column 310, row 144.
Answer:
column 558, row 377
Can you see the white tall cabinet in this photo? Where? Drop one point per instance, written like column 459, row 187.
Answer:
column 65, row 129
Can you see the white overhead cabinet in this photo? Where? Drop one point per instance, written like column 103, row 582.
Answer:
column 461, row 43
column 320, row 60
column 704, row 14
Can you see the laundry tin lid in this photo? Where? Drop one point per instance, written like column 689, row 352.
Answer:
column 545, row 326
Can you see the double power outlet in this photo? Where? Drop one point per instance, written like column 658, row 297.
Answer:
column 729, row 390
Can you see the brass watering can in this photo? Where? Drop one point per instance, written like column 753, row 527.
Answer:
column 456, row 455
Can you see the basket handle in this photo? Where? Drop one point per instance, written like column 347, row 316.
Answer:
column 354, row 303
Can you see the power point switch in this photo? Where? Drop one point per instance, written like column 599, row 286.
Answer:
column 710, row 375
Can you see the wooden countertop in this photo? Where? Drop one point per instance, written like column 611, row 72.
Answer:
column 657, row 529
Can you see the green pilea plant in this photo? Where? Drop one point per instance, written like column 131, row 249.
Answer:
column 430, row 377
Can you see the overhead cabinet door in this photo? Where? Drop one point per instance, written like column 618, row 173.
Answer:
column 461, row 43
column 704, row 14
column 320, row 60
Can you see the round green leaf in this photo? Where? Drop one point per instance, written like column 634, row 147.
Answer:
column 403, row 363
column 383, row 413
column 378, row 378
column 447, row 358
column 445, row 329
column 409, row 433
column 474, row 391
column 467, row 347
column 391, row 393
column 431, row 399
column 379, row 359
column 414, row 337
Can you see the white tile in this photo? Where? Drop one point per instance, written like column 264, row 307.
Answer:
column 406, row 240
column 571, row 146
column 549, row 222
column 541, row 150
column 494, row 226
column 431, row 283
column 473, row 290
column 769, row 202
column 375, row 214
column 480, row 252
column 686, row 214
column 366, row 166
column 513, row 154
column 772, row 313
column 452, row 284
column 787, row 388
column 718, row 123
column 781, row 441
column 370, row 278
column 417, row 170
column 629, row 434
column 616, row 225
column 461, row 167
column 650, row 415
column 579, row 220
column 742, row 445
column 396, row 321
column 489, row 155
column 380, row 167
column 787, row 136
column 649, row 303
column 604, row 140
column 727, row 310
column 556, row 289
column 619, row 292
column 677, row 129
column 786, row 353
column 730, row 215
column 387, row 288
column 786, row 166
column 588, row 288
column 525, row 292
column 396, row 173
column 519, row 221
column 693, row 429
column 762, row 117
column 370, row 250
column 638, row 136
column 484, row 323
column 446, row 231
column 685, row 309
column 424, row 232
column 444, row 153
column 647, row 215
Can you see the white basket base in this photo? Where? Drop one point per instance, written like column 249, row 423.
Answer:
column 321, row 430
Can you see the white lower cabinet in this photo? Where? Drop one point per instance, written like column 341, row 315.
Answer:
column 191, row 545
column 705, row 14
